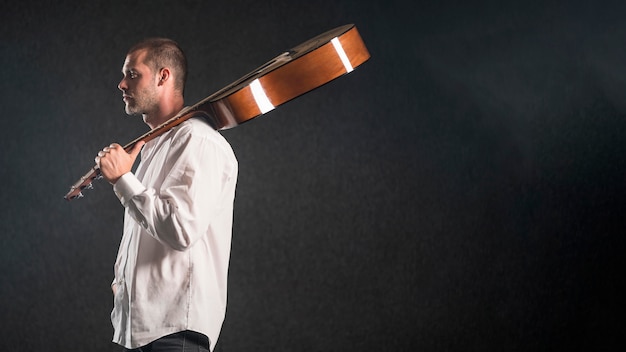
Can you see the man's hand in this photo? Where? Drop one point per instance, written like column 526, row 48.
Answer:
column 113, row 161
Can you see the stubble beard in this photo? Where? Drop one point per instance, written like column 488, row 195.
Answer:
column 142, row 103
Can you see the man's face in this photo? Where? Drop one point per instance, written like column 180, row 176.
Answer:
column 139, row 85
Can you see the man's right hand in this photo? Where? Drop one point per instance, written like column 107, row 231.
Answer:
column 114, row 161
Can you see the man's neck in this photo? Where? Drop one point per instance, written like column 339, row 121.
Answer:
column 165, row 112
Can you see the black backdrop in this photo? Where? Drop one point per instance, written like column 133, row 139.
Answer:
column 462, row 190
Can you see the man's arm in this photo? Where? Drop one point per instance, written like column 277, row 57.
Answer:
column 193, row 193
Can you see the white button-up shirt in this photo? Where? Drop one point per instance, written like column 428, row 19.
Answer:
column 172, row 265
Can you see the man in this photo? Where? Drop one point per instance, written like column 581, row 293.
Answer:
column 172, row 264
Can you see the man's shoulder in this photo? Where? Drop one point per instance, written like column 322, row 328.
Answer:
column 196, row 126
column 199, row 127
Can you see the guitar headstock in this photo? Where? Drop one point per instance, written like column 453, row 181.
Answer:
column 84, row 183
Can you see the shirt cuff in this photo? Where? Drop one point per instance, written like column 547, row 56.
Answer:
column 127, row 187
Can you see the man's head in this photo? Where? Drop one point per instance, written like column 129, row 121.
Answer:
column 150, row 65
column 162, row 52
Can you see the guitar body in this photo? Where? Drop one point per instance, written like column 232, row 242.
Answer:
column 287, row 76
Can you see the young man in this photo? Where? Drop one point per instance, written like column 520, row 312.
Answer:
column 172, row 264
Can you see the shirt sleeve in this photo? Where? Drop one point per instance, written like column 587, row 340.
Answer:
column 181, row 209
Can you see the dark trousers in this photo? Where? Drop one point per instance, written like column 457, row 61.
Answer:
column 184, row 341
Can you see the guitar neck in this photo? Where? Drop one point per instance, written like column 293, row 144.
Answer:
column 184, row 115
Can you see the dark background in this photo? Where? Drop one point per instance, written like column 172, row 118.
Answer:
column 463, row 190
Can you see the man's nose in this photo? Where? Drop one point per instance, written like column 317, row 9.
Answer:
column 122, row 85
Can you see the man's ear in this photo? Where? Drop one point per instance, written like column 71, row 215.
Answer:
column 164, row 75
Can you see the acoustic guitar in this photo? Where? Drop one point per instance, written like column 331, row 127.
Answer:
column 285, row 77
